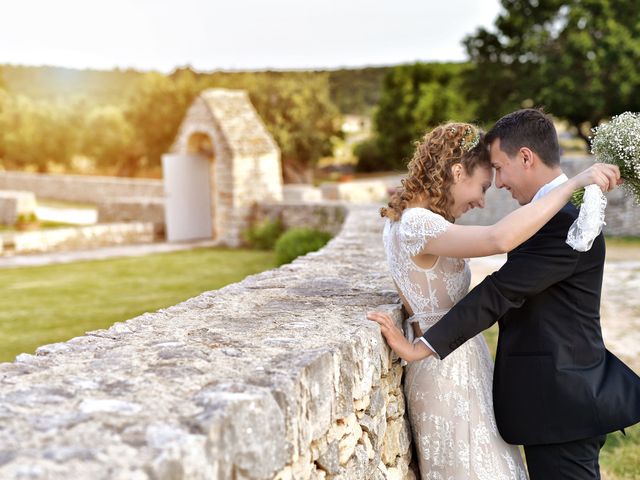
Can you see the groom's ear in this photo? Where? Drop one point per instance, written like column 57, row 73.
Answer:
column 526, row 157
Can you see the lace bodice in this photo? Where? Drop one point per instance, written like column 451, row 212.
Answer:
column 430, row 292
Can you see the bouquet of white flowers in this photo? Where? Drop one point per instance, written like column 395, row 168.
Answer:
column 618, row 143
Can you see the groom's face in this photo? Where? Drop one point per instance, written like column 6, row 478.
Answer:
column 510, row 173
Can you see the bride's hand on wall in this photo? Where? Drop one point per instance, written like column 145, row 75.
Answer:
column 396, row 339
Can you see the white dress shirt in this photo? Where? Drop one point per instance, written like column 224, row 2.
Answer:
column 559, row 180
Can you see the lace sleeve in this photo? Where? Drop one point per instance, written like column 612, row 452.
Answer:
column 590, row 221
column 418, row 226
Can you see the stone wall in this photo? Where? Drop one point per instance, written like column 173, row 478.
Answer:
column 76, row 238
column 279, row 376
column 301, row 193
column 79, row 188
column 360, row 191
column 324, row 216
column 133, row 209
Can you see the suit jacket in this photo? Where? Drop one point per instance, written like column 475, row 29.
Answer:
column 554, row 380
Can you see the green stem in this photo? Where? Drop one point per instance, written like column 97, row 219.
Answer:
column 578, row 197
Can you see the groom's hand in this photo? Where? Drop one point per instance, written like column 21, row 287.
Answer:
column 396, row 339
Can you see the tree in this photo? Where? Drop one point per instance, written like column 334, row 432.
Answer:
column 296, row 109
column 300, row 115
column 110, row 140
column 356, row 90
column 36, row 133
column 576, row 58
column 4, row 124
column 154, row 109
column 414, row 99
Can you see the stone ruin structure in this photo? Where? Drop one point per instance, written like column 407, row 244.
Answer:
column 244, row 160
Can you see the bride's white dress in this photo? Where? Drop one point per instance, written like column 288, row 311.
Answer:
column 449, row 402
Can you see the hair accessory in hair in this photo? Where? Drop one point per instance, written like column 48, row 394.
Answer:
column 470, row 139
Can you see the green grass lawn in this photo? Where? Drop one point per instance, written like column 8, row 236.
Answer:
column 623, row 241
column 41, row 305
column 620, row 457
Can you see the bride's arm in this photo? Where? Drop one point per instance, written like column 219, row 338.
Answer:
column 464, row 241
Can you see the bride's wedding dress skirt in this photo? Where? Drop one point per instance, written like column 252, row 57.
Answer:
column 450, row 408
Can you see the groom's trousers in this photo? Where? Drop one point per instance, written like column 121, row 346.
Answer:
column 565, row 461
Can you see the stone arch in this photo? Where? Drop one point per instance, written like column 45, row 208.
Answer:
column 245, row 167
column 200, row 143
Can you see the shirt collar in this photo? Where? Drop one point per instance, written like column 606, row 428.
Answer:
column 560, row 179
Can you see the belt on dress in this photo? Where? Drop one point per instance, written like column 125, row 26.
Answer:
column 418, row 323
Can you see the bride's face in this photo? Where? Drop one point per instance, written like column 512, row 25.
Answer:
column 468, row 191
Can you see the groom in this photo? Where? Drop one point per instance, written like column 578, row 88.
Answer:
column 556, row 389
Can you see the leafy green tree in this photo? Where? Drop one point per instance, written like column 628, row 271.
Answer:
column 370, row 159
column 126, row 120
column 297, row 110
column 302, row 119
column 37, row 133
column 415, row 98
column 4, row 124
column 357, row 90
column 577, row 58
column 110, row 140
column 154, row 110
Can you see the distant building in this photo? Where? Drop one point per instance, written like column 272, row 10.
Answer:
column 222, row 161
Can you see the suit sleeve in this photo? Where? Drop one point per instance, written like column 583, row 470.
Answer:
column 540, row 262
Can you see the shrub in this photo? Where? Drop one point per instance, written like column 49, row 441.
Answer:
column 299, row 241
column 264, row 235
column 30, row 217
column 370, row 158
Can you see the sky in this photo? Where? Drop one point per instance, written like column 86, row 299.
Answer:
column 237, row 34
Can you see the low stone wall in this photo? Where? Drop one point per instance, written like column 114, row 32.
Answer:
column 76, row 238
column 324, row 216
column 279, row 376
column 80, row 188
column 301, row 193
column 133, row 209
column 360, row 191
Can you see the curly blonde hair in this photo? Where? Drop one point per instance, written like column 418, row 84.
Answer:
column 430, row 172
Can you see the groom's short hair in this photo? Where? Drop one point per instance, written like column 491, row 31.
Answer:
column 529, row 128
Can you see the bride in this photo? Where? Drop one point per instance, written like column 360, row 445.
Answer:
column 450, row 402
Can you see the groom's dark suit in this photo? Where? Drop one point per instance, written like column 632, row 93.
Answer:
column 554, row 381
